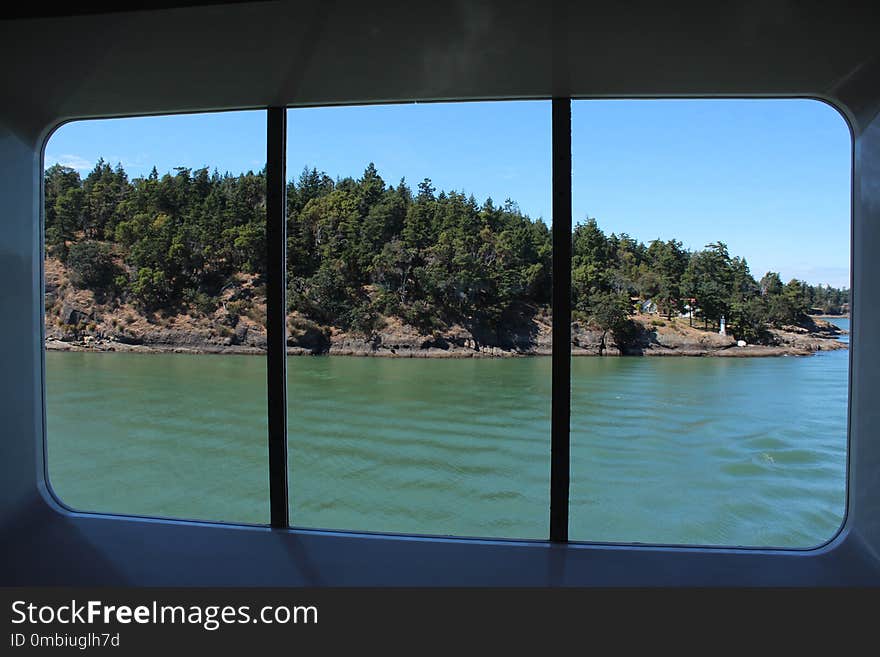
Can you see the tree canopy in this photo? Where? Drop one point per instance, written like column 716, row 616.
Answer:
column 362, row 249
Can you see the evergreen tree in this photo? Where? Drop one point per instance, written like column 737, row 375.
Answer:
column 359, row 249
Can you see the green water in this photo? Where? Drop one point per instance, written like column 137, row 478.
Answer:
column 670, row 450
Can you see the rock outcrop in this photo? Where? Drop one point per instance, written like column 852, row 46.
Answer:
column 76, row 320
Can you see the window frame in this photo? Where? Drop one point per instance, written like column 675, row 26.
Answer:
column 281, row 516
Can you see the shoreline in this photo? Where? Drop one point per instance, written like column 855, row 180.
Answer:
column 749, row 351
column 77, row 321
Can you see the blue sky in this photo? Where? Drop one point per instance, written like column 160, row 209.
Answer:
column 771, row 178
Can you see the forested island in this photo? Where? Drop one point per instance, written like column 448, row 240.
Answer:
column 176, row 263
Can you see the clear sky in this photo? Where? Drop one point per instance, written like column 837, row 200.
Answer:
column 771, row 178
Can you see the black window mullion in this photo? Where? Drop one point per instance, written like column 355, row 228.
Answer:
column 560, row 469
column 276, row 315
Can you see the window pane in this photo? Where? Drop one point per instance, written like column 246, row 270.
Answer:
column 155, row 316
column 720, row 229
column 419, row 282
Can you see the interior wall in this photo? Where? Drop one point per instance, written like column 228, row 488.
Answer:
column 298, row 53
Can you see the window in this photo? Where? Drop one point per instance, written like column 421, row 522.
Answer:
column 417, row 320
column 419, row 267
column 714, row 233
column 155, row 257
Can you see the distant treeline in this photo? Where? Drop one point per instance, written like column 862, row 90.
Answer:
column 360, row 249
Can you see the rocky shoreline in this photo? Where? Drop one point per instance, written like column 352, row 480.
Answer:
column 78, row 321
column 396, row 340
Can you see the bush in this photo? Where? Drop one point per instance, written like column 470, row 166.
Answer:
column 387, row 303
column 237, row 307
column 422, row 316
column 91, row 266
column 201, row 302
column 257, row 315
column 364, row 319
column 151, row 288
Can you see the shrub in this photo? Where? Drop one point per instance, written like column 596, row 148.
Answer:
column 237, row 307
column 91, row 265
column 363, row 319
column 421, row 315
column 151, row 288
column 201, row 302
column 257, row 315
